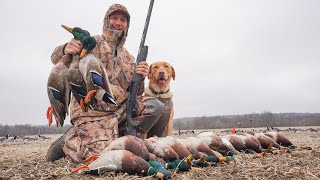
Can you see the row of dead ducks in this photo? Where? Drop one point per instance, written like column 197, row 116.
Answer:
column 7, row 138
column 155, row 156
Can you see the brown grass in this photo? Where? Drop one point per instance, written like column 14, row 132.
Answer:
column 27, row 161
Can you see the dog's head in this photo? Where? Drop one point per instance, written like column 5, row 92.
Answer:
column 160, row 74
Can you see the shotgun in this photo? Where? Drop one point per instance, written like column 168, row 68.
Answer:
column 131, row 109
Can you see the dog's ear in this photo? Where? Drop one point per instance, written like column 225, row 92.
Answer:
column 150, row 68
column 173, row 73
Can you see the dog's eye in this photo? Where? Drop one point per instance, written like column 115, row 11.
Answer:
column 166, row 66
column 156, row 67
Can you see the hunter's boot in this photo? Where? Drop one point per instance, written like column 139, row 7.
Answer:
column 55, row 151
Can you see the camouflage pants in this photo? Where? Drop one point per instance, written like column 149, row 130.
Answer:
column 93, row 134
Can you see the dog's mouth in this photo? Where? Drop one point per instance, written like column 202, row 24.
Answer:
column 162, row 80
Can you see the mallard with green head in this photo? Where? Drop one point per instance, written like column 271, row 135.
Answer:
column 123, row 161
column 88, row 42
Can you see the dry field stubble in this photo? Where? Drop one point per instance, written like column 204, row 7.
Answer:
column 27, row 161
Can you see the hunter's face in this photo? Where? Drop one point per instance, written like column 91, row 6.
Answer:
column 118, row 21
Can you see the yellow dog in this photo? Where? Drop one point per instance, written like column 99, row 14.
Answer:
column 160, row 75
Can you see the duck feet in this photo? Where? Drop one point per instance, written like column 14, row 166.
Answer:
column 83, row 106
column 89, row 159
column 79, row 168
column 49, row 115
column 89, row 97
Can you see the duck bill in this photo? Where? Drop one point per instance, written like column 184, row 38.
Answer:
column 83, row 53
column 67, row 28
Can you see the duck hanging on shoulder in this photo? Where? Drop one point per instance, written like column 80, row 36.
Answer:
column 58, row 90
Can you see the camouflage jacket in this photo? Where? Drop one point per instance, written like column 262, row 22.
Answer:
column 119, row 64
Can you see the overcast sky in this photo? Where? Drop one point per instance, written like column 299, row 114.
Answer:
column 230, row 56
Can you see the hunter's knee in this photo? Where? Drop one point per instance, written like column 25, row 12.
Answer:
column 155, row 107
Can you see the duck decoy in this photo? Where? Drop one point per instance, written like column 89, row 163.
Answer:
column 43, row 138
column 5, row 139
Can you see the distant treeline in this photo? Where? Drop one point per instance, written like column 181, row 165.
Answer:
column 23, row 130
column 265, row 119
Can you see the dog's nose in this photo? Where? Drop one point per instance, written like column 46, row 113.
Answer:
column 161, row 72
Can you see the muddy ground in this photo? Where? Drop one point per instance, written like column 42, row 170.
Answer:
column 26, row 160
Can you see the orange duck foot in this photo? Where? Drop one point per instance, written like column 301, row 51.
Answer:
column 89, row 96
column 90, row 158
column 79, row 168
column 83, row 106
column 49, row 115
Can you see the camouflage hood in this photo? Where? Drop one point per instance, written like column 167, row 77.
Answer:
column 110, row 35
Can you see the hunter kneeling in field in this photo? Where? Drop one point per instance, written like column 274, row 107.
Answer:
column 93, row 131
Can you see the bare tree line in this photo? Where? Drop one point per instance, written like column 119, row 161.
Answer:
column 23, row 130
column 265, row 119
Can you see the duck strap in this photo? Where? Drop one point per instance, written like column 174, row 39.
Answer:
column 131, row 109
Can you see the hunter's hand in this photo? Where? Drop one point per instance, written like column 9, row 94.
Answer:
column 142, row 68
column 73, row 47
